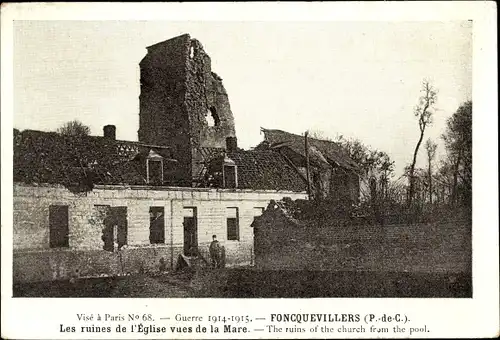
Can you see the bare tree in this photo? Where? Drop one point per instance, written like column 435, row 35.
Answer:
column 423, row 111
column 387, row 170
column 74, row 128
column 430, row 147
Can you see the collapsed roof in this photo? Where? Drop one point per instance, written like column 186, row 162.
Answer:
column 261, row 170
column 320, row 150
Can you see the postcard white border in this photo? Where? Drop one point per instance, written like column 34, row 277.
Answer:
column 460, row 318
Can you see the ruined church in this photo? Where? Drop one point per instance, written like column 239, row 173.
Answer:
column 87, row 206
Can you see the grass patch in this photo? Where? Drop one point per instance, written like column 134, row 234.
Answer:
column 254, row 283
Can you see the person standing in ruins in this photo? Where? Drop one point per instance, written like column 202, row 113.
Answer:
column 215, row 252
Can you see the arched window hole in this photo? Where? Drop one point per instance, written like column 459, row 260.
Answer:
column 212, row 117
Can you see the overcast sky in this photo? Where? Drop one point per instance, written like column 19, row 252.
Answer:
column 357, row 79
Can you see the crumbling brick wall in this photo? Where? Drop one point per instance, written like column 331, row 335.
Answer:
column 180, row 96
column 284, row 243
column 34, row 260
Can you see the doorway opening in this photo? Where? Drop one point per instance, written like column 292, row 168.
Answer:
column 190, row 224
column 114, row 234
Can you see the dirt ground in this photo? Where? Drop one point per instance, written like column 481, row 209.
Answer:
column 253, row 283
column 175, row 284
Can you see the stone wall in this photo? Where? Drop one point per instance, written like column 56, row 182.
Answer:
column 210, row 116
column 162, row 109
column 179, row 96
column 35, row 260
column 283, row 243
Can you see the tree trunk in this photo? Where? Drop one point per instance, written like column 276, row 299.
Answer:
column 411, row 194
column 429, row 174
column 308, row 170
column 455, row 179
column 430, row 188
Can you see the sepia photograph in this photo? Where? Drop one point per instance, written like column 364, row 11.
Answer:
column 242, row 159
column 345, row 171
column 249, row 170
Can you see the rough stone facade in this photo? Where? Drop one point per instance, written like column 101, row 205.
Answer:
column 284, row 242
column 183, row 104
column 34, row 260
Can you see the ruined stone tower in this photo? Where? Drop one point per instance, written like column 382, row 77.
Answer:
column 183, row 104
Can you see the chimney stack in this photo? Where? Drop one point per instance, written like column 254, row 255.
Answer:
column 110, row 131
column 231, row 144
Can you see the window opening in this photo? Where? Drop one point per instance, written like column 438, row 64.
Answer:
column 233, row 232
column 212, row 117
column 58, row 225
column 156, row 225
column 114, row 233
column 154, row 168
column 230, row 176
column 190, row 225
